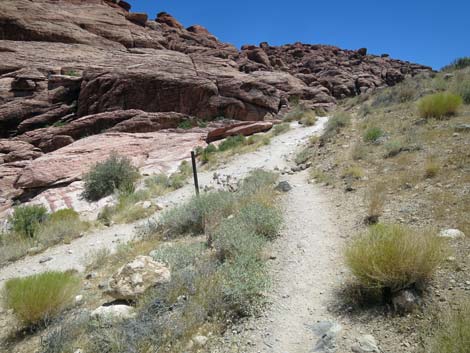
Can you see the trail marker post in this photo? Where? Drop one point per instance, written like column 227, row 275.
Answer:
column 196, row 182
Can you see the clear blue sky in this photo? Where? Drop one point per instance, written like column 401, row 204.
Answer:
column 429, row 32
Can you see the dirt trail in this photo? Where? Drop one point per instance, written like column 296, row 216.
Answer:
column 306, row 271
column 71, row 256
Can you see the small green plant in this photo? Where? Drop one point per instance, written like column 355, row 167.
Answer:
column 26, row 220
column 394, row 257
column 39, row 298
column 302, row 156
column 232, row 142
column 453, row 332
column 115, row 173
column 338, row 121
column 439, row 105
column 279, row 129
column 373, row 134
column 262, row 219
column 185, row 124
column 71, row 72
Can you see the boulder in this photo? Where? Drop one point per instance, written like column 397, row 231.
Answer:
column 405, row 302
column 134, row 278
column 451, row 234
column 113, row 313
column 365, row 344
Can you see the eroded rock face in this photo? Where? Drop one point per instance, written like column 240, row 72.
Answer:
column 80, row 77
column 134, row 278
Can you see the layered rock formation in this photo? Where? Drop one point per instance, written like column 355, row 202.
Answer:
column 80, row 79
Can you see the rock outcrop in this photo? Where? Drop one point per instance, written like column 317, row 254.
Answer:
column 81, row 79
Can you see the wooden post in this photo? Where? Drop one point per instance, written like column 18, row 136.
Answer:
column 196, row 182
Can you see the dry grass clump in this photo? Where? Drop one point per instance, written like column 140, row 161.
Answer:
column 393, row 257
column 354, row 172
column 431, row 168
column 338, row 121
column 439, row 105
column 39, row 298
column 375, row 198
column 453, row 333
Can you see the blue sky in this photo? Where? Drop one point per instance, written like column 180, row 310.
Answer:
column 428, row 32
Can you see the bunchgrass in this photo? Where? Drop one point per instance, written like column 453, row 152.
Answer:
column 373, row 134
column 453, row 332
column 38, row 299
column 338, row 121
column 439, row 105
column 394, row 257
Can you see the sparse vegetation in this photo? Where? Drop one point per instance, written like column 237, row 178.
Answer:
column 185, row 124
column 453, row 333
column 375, row 198
column 393, row 257
column 301, row 114
column 373, row 134
column 115, row 173
column 354, row 172
column 279, row 129
column 457, row 64
column 439, row 105
column 431, row 168
column 302, row 156
column 39, row 298
column 338, row 121
column 26, row 220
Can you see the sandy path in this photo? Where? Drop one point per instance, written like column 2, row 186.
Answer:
column 306, row 271
column 71, row 256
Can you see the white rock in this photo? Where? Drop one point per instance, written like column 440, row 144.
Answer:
column 79, row 299
column 134, row 278
column 365, row 344
column 146, row 204
column 451, row 234
column 200, row 340
column 113, row 313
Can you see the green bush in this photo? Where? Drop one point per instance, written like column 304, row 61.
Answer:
column 26, row 220
column 338, row 121
column 457, row 64
column 234, row 238
column 115, row 173
column 66, row 214
column 453, row 333
column 394, row 257
column 256, row 181
column 463, row 89
column 279, row 129
column 302, row 156
column 185, row 124
column 372, row 134
column 232, row 142
column 39, row 298
column 178, row 256
column 262, row 219
column 62, row 225
column 298, row 113
column 439, row 105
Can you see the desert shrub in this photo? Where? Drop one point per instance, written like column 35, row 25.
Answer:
column 234, row 238
column 244, row 279
column 258, row 139
column 256, row 181
column 372, row 134
column 354, row 172
column 115, row 173
column 298, row 113
column 279, row 129
column 453, row 332
column 457, row 64
column 375, row 199
column 338, row 121
column 26, row 220
column 62, row 225
column 309, row 119
column 39, row 298
column 302, row 156
column 393, row 148
column 191, row 216
column 463, row 89
column 431, row 168
column 232, row 142
column 393, row 257
column 358, row 152
column 439, row 105
column 179, row 255
column 262, row 219
column 185, row 124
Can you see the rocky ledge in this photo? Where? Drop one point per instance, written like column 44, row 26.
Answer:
column 80, row 79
